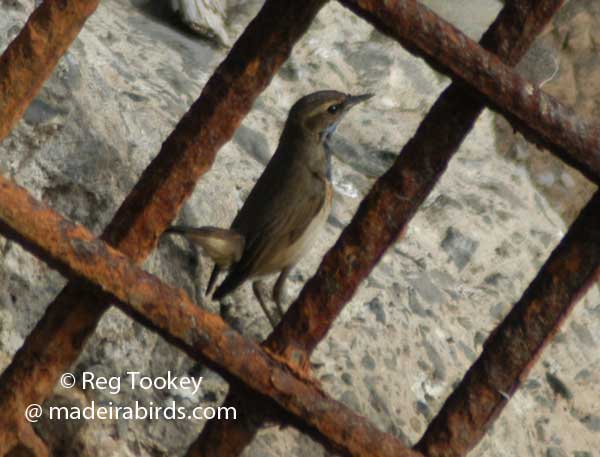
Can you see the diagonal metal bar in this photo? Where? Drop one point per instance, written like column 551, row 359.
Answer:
column 59, row 337
column 30, row 58
column 396, row 196
column 74, row 251
column 540, row 117
column 515, row 345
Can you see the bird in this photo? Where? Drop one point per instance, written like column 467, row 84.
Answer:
column 287, row 207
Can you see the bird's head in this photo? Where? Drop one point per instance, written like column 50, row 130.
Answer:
column 319, row 113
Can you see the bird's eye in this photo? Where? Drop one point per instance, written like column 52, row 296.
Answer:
column 333, row 109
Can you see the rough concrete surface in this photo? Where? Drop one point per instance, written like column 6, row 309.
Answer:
column 418, row 321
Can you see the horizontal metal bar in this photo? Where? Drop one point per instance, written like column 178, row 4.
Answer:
column 74, row 251
column 540, row 117
column 59, row 337
column 516, row 344
column 31, row 57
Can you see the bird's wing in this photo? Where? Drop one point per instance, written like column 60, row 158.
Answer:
column 271, row 224
column 292, row 212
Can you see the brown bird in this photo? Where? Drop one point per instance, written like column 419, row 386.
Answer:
column 289, row 204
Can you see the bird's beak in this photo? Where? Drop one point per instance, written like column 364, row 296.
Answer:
column 354, row 99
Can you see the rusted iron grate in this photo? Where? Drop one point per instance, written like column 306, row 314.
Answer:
column 100, row 274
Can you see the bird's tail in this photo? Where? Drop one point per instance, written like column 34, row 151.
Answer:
column 231, row 282
column 223, row 246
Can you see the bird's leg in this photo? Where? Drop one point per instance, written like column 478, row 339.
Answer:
column 213, row 278
column 257, row 288
column 279, row 287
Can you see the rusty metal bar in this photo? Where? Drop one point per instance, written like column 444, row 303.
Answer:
column 59, row 337
column 396, row 196
column 228, row 439
column 74, row 251
column 540, row 117
column 30, row 58
column 30, row 445
column 515, row 345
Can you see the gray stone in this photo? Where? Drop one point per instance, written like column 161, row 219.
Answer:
column 350, row 399
column 254, row 143
column 558, row 387
column 370, row 163
column 583, row 375
column 439, row 368
column 427, row 289
column 591, row 422
column 540, row 428
column 532, row 384
column 40, row 112
column 459, row 247
column 498, row 311
column 378, row 403
column 584, row 334
column 347, row 378
column 376, row 307
column 368, row 362
column 555, row 452
column 423, row 409
column 469, row 353
column 473, row 21
column 479, row 338
column 370, row 62
column 289, row 71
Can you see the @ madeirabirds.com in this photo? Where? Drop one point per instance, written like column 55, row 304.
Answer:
column 181, row 386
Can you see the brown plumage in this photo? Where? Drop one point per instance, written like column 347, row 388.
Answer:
column 288, row 205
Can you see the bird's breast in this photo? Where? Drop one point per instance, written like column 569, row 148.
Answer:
column 310, row 235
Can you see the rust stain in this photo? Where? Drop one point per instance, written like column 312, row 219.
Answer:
column 253, row 68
